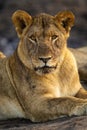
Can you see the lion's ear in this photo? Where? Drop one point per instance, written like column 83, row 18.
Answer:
column 21, row 20
column 66, row 19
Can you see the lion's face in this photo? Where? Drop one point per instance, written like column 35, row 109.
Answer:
column 42, row 43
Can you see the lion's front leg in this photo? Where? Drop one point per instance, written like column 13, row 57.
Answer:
column 53, row 108
column 10, row 108
column 82, row 93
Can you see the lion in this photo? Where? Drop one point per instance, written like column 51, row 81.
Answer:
column 81, row 58
column 40, row 80
column 2, row 55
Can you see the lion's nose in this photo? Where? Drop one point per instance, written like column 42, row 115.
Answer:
column 45, row 60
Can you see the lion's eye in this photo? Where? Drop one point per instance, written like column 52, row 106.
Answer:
column 33, row 38
column 54, row 37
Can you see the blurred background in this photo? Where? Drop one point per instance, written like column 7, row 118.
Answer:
column 8, row 36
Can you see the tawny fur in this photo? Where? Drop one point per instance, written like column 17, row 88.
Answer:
column 2, row 55
column 40, row 80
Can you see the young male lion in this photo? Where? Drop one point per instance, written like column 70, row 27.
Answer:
column 40, row 80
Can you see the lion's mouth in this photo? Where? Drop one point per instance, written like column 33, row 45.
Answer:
column 46, row 69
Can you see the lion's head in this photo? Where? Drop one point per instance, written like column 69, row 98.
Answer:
column 43, row 39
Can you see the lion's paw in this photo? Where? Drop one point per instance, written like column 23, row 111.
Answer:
column 79, row 110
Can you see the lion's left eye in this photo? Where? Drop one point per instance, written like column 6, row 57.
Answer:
column 54, row 37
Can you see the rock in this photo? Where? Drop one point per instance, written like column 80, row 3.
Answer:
column 64, row 123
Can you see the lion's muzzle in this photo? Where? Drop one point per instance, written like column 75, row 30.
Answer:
column 45, row 69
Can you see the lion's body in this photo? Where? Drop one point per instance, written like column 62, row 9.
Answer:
column 40, row 82
column 9, row 104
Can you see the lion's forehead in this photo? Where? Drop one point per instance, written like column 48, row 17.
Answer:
column 43, row 19
column 44, row 31
column 39, row 31
column 44, row 23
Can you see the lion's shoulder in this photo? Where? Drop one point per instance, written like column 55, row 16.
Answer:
column 2, row 55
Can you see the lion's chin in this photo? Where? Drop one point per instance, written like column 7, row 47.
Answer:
column 45, row 70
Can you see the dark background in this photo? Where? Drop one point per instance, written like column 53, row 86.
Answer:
column 8, row 36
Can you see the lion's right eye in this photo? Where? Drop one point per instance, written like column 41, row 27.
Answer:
column 33, row 38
